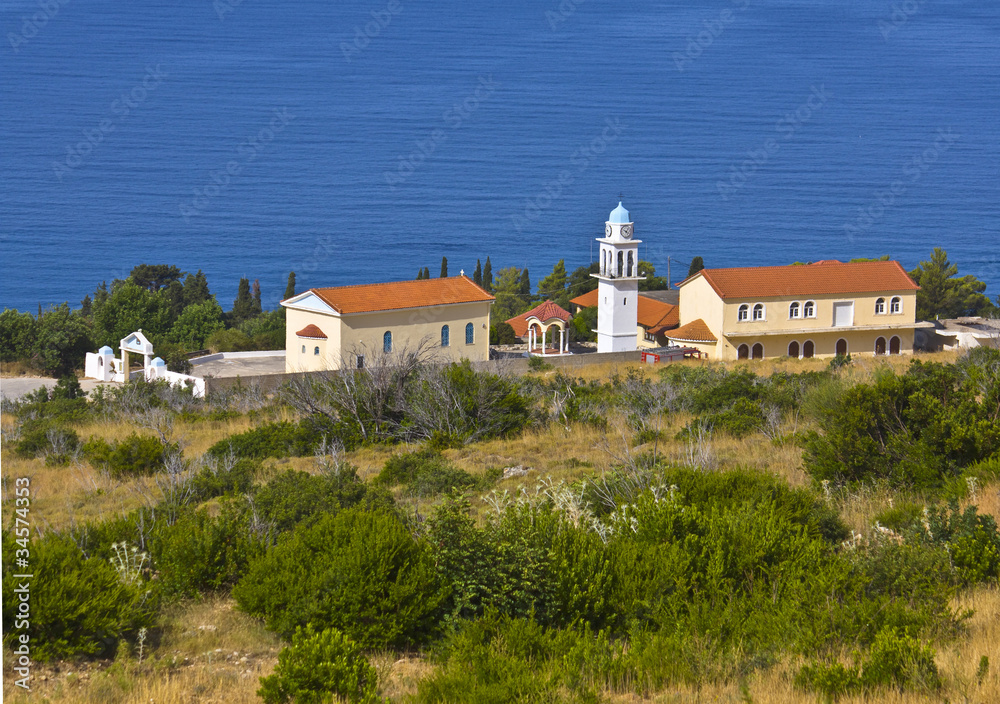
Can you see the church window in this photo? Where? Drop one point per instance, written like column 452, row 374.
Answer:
column 631, row 264
column 445, row 336
column 793, row 311
column 744, row 313
column 303, row 349
column 387, row 341
column 758, row 311
column 808, row 349
column 621, row 264
column 809, row 309
column 896, row 305
column 316, row 351
column 880, row 306
column 470, row 334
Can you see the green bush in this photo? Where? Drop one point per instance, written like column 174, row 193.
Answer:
column 742, row 419
column 502, row 334
column 318, row 666
column 538, row 364
column 46, row 437
column 136, row 455
column 281, row 439
column 426, row 473
column 358, row 571
column 218, row 478
column 78, row 606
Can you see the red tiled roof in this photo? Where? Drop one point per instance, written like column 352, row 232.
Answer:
column 311, row 331
column 654, row 315
column 544, row 312
column 824, row 277
column 695, row 331
column 368, row 298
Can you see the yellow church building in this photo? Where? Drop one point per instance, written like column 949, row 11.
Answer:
column 810, row 310
column 349, row 326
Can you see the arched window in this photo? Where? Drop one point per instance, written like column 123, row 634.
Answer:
column 303, row 349
column 744, row 313
column 793, row 349
column 445, row 336
column 316, row 351
column 631, row 263
column 621, row 264
column 880, row 345
column 758, row 311
column 793, row 309
column 387, row 341
column 880, row 306
column 757, row 352
column 742, row 352
column 809, row 309
column 896, row 305
column 894, row 345
column 808, row 349
column 470, row 334
column 842, row 347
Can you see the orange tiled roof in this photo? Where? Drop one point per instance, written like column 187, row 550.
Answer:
column 824, row 277
column 654, row 315
column 311, row 331
column 695, row 331
column 544, row 312
column 369, row 298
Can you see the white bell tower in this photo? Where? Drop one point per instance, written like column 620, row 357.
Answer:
column 618, row 285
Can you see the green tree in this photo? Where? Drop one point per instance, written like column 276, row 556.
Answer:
column 257, row 308
column 173, row 294
column 196, row 288
column 427, row 272
column 196, row 323
column 697, row 264
column 502, row 333
column 153, row 277
column 580, row 280
column 17, row 335
column 129, row 308
column 553, row 286
column 488, row 275
column 507, row 289
column 244, row 306
column 289, row 287
column 477, row 275
column 63, row 340
column 524, row 287
column 946, row 295
column 444, row 267
column 86, row 306
column 652, row 281
column 584, row 324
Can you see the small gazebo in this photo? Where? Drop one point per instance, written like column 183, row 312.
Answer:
column 533, row 327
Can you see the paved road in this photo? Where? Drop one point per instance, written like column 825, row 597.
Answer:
column 15, row 387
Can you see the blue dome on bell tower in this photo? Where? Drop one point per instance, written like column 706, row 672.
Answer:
column 619, row 216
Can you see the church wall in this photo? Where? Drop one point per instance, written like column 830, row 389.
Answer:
column 363, row 332
column 298, row 361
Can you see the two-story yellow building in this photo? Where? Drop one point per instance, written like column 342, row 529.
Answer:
column 809, row 310
column 351, row 326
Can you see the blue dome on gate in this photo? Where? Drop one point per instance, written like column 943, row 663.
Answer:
column 619, row 216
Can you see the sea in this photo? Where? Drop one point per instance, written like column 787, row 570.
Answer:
column 355, row 142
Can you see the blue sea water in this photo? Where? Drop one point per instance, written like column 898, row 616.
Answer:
column 359, row 141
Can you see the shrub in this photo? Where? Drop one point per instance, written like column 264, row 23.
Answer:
column 744, row 418
column 538, row 364
column 136, row 455
column 358, row 571
column 318, row 665
column 46, row 437
column 901, row 660
column 426, row 473
column 79, row 606
column 281, row 439
column 218, row 477
column 502, row 334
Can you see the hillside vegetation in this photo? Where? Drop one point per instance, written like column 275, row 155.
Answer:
column 768, row 532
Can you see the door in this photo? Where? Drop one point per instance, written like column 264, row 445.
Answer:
column 843, row 314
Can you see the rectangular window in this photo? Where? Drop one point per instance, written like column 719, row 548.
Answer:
column 361, row 361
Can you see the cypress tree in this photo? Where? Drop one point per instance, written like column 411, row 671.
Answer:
column 488, row 275
column 525, row 286
column 244, row 304
column 290, row 287
column 427, row 272
column 256, row 297
column 444, row 267
column 477, row 275
column 196, row 289
column 697, row 264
